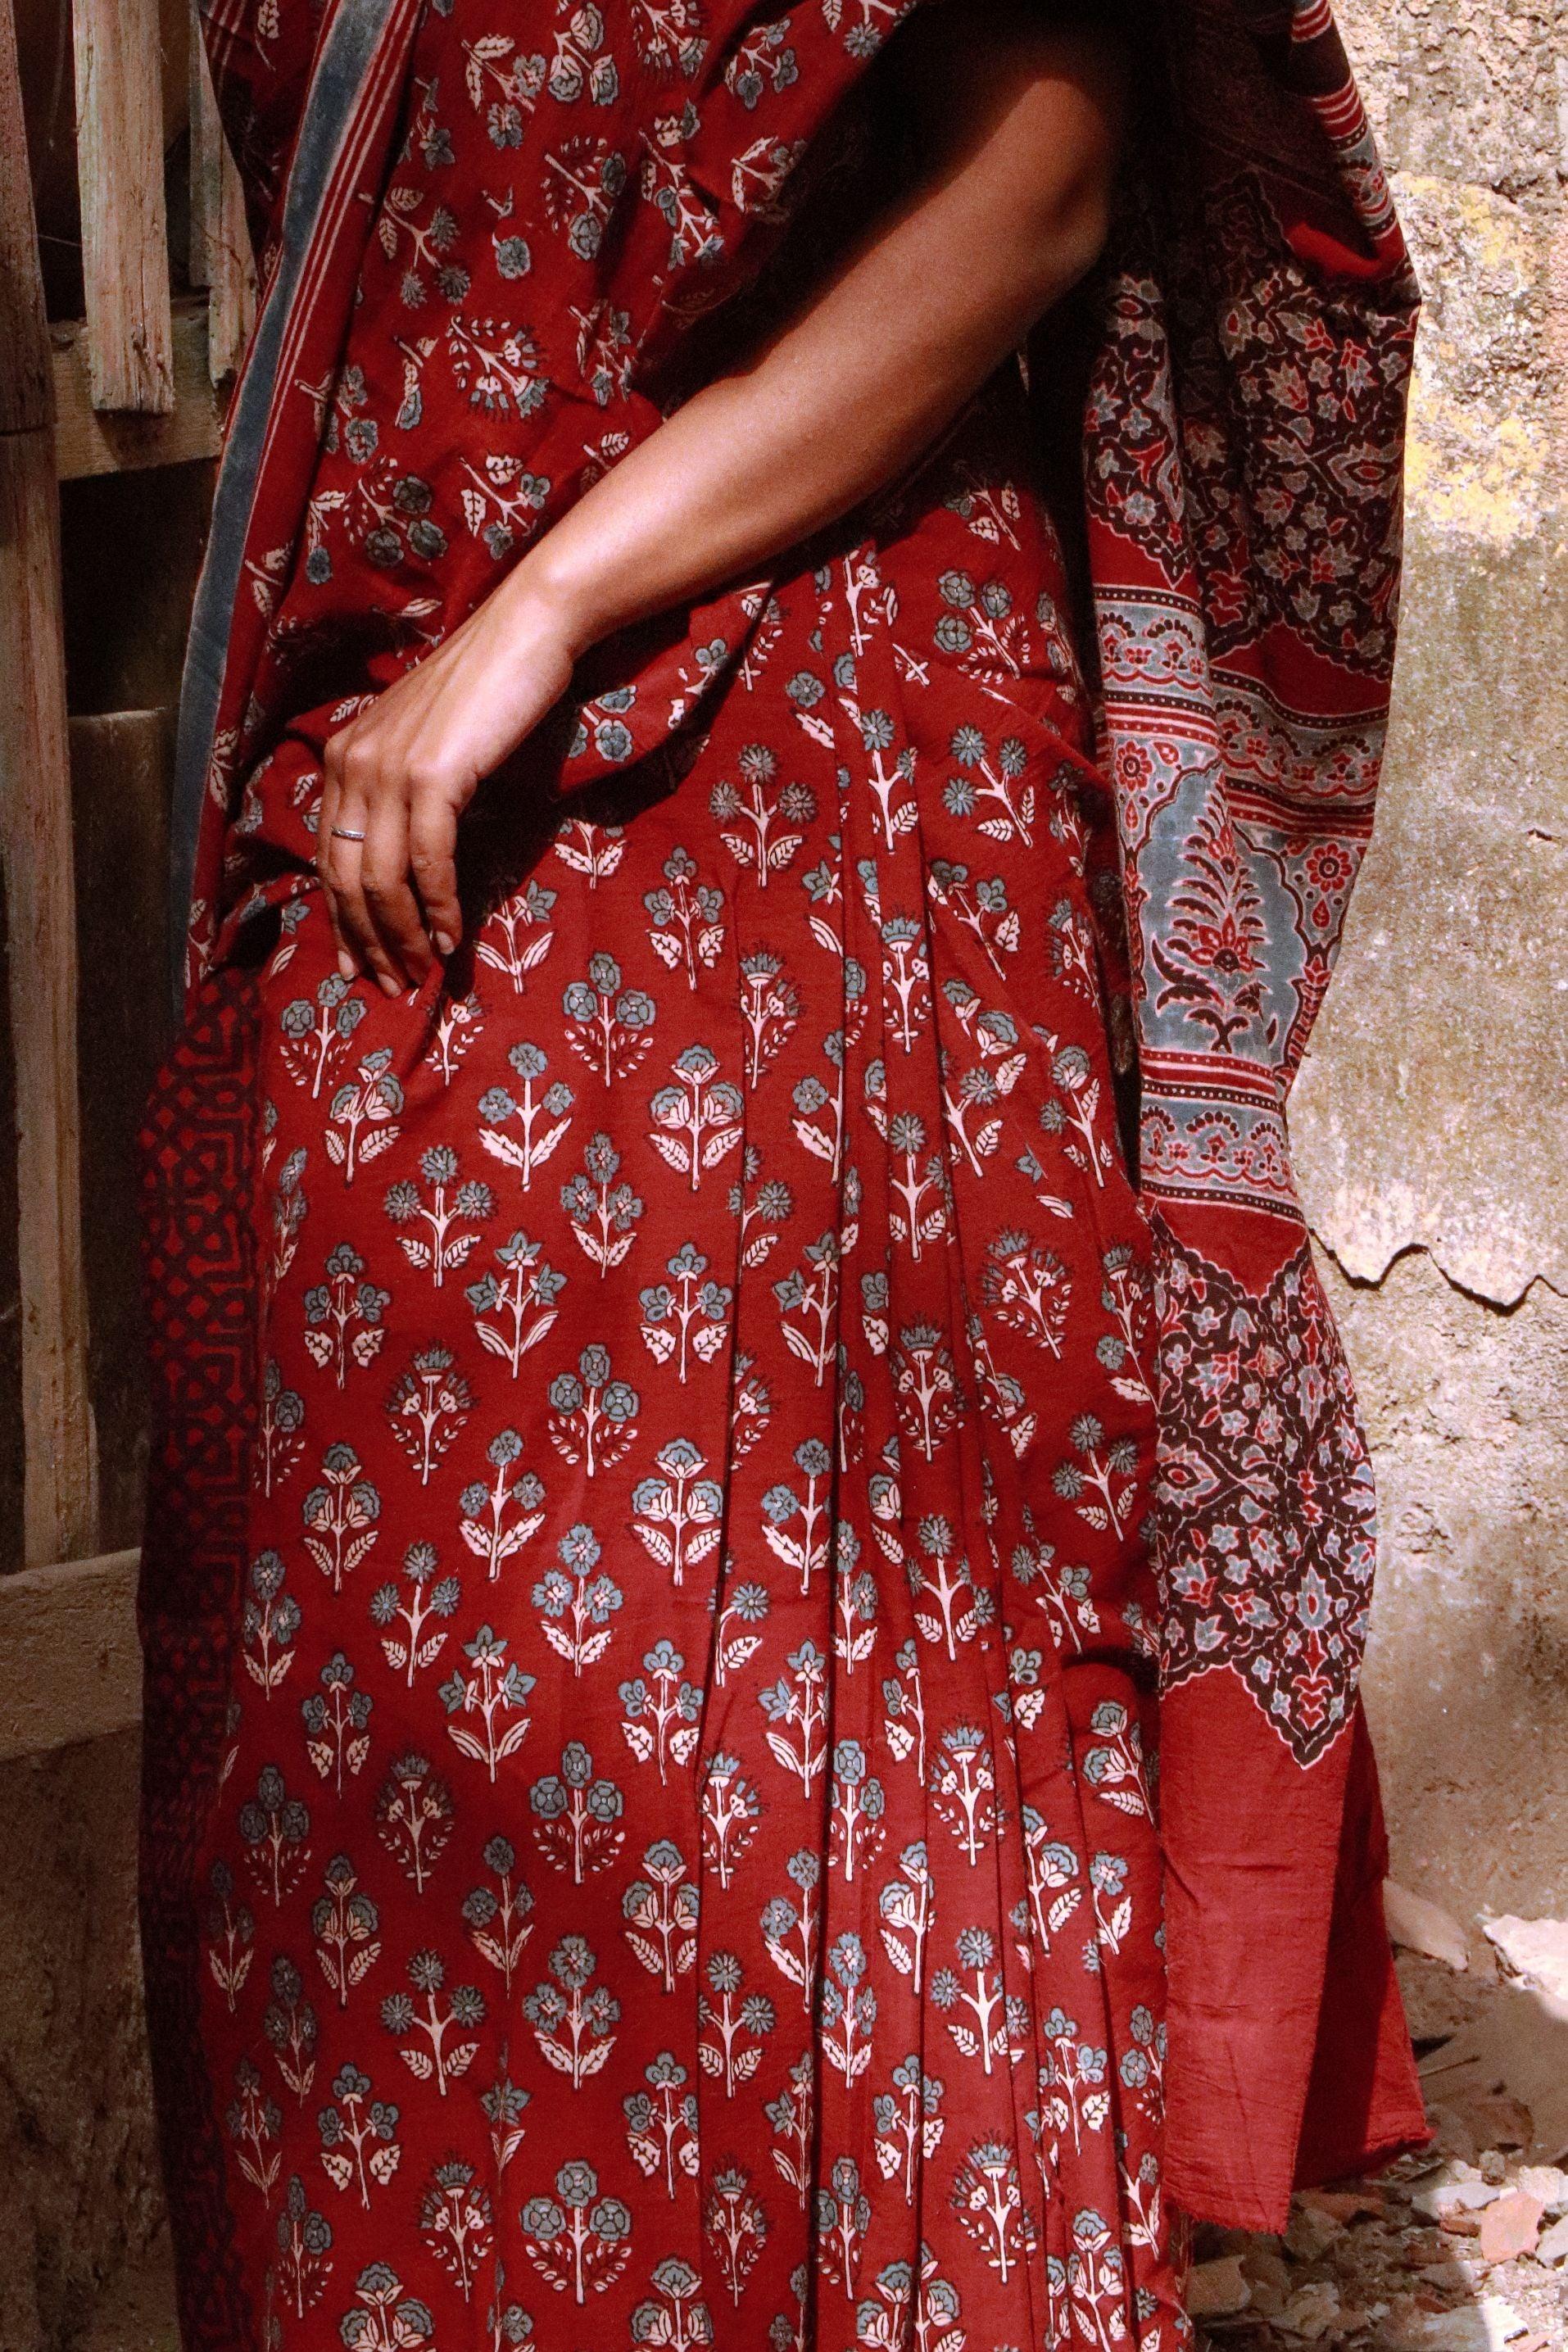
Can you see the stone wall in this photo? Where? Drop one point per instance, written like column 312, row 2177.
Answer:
column 1430, row 1122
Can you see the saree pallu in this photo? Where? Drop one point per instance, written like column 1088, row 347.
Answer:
column 689, row 1494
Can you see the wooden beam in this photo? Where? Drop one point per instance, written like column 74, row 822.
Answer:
column 25, row 381
column 73, row 1665
column 221, row 258
column 61, row 1485
column 119, row 166
column 89, row 440
column 60, row 1469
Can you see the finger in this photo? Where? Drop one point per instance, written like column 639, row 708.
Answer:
column 345, row 860
column 326, row 817
column 432, row 856
column 389, row 892
column 353, row 924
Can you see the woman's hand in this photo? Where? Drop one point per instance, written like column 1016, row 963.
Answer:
column 398, row 777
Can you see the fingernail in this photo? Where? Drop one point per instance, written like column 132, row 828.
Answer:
column 390, row 986
column 443, row 946
column 345, row 964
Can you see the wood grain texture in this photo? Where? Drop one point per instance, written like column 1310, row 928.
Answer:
column 89, row 440
column 25, row 377
column 60, row 1486
column 120, row 161
column 73, row 1666
column 220, row 259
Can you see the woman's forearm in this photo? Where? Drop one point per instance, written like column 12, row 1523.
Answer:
column 1017, row 130
column 849, row 392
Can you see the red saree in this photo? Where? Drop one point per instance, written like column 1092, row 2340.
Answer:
column 697, row 1520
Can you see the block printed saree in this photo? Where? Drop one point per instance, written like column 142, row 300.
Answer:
column 752, row 1731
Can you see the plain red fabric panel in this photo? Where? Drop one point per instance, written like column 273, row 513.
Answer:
column 1249, row 1845
column 1290, row 2063
column 1364, row 2101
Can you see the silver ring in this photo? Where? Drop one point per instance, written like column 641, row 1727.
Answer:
column 346, row 833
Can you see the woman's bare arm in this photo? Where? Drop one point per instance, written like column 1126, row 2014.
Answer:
column 1019, row 127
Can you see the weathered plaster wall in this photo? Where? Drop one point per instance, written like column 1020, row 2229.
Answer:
column 1431, row 1119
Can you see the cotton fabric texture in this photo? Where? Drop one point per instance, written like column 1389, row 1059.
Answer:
column 752, row 1625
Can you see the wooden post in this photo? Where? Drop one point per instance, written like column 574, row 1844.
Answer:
column 221, row 257
column 60, row 1488
column 119, row 166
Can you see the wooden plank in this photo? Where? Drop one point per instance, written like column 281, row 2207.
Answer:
column 73, row 1665
column 221, row 258
column 59, row 1508
column 25, row 395
column 60, row 1470
column 24, row 380
column 61, row 1488
column 95, row 441
column 120, row 165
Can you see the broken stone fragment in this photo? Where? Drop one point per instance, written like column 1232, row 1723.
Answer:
column 1440, row 2199
column 1433, row 2176
column 1521, row 2044
column 1312, row 2228
column 1268, row 2275
column 1264, row 2265
column 1311, row 2312
column 1553, row 2246
column 1268, row 2300
column 1445, row 2278
column 1547, row 2181
column 1533, row 1949
column 1420, row 1926
column 1510, row 2226
column 1216, row 2290
column 1490, row 2325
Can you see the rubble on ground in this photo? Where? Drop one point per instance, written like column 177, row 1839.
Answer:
column 1464, row 2246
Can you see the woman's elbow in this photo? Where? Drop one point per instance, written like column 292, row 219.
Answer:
column 1066, row 152
column 1060, row 238
column 1076, row 225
